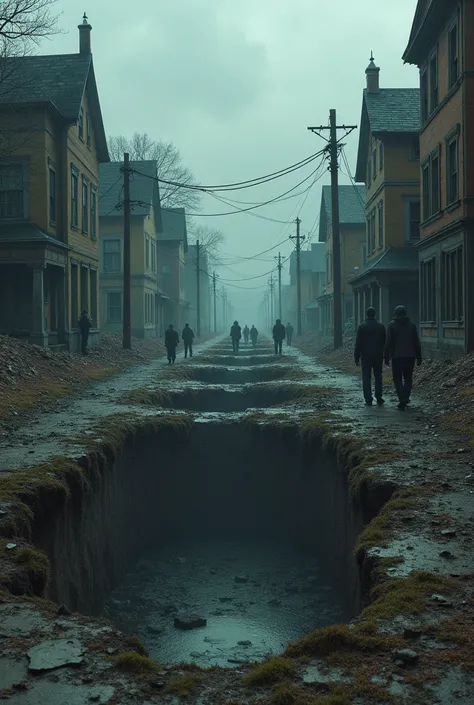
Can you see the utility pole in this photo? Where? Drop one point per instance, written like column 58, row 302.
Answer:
column 214, row 276
column 127, row 307
column 298, row 239
column 279, row 267
column 198, row 289
column 333, row 148
column 272, row 297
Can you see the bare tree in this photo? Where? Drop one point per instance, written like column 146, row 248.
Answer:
column 26, row 22
column 170, row 168
column 210, row 240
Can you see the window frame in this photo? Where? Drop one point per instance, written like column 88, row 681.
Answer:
column 452, row 286
column 93, row 200
column 451, row 140
column 88, row 129
column 428, row 291
column 74, row 197
column 453, row 61
column 80, row 124
column 424, row 94
column 85, row 205
column 433, row 85
column 21, row 192
column 426, row 190
column 381, row 228
column 435, row 156
column 114, row 270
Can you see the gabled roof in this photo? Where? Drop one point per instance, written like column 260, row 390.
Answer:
column 392, row 259
column 59, row 81
column 144, row 190
column 390, row 111
column 351, row 208
column 430, row 18
column 28, row 233
column 174, row 226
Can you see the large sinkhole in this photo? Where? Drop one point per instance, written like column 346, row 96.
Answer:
column 242, row 526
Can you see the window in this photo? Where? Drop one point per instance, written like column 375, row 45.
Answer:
column 425, row 185
column 89, row 130
column 74, row 296
column 424, row 95
column 453, row 55
column 452, row 171
column 52, row 195
column 434, row 82
column 93, row 213
column 380, row 209
column 147, row 253
column 11, row 191
column 452, row 285
column 371, row 232
column 428, row 290
column 414, row 218
column 374, row 164
column 114, row 306
column 81, row 124
column 381, row 156
column 85, row 205
column 93, row 304
column 74, row 197
column 435, row 185
column 153, row 256
column 415, row 150
column 112, row 255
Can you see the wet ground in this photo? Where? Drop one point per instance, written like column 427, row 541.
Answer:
column 256, row 597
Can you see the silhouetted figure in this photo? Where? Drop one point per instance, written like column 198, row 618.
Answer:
column 279, row 333
column 85, row 324
column 187, row 336
column 369, row 347
column 236, row 334
column 171, row 343
column 402, row 348
column 253, row 336
column 289, row 334
column 246, row 333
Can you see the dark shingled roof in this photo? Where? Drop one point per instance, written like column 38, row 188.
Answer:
column 29, row 233
column 351, row 204
column 174, row 225
column 143, row 189
column 391, row 111
column 391, row 260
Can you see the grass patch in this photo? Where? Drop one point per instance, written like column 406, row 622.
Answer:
column 185, row 685
column 460, row 424
column 132, row 662
column 36, row 565
column 273, row 670
column 408, row 595
column 27, row 395
column 287, row 693
column 98, row 373
column 362, row 637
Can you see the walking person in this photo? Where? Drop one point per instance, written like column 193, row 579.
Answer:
column 236, row 334
column 187, row 337
column 85, row 324
column 253, row 336
column 171, row 343
column 289, row 334
column 402, row 349
column 279, row 333
column 246, row 333
column 369, row 348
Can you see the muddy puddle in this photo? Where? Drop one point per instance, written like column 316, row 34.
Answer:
column 255, row 595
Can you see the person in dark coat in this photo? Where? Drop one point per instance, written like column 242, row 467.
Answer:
column 187, row 336
column 246, row 333
column 236, row 334
column 253, row 336
column 402, row 348
column 171, row 343
column 369, row 348
column 85, row 324
column 289, row 334
column 279, row 333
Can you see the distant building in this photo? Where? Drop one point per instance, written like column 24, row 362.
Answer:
column 440, row 45
column 388, row 163
column 172, row 248
column 352, row 234
column 146, row 303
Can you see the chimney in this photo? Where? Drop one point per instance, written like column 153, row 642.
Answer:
column 85, row 36
column 372, row 72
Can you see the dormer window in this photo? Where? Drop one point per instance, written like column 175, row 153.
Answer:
column 81, row 124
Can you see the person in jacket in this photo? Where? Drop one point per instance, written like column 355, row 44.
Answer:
column 246, row 333
column 402, row 349
column 187, row 337
column 236, row 334
column 85, row 324
column 289, row 334
column 279, row 333
column 369, row 348
column 253, row 336
column 171, row 343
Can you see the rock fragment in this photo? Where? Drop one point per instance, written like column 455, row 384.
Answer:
column 53, row 654
column 189, row 621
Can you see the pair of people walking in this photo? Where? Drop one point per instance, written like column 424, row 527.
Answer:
column 172, row 342
column 399, row 345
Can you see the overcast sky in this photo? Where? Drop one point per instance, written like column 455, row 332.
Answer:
column 234, row 86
